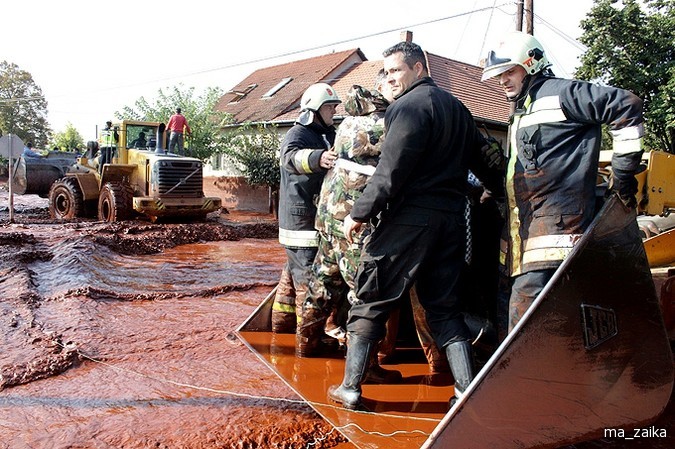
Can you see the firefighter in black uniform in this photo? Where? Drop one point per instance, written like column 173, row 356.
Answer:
column 553, row 161
column 419, row 190
column 306, row 155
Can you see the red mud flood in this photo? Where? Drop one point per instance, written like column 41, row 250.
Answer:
column 122, row 336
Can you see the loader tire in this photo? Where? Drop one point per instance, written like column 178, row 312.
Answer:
column 115, row 202
column 65, row 199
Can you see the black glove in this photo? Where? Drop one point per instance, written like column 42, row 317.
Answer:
column 625, row 189
column 493, row 154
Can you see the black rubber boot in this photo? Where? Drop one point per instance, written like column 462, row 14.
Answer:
column 460, row 359
column 358, row 357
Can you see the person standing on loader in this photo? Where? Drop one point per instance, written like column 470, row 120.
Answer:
column 306, row 155
column 419, row 191
column 177, row 126
column 553, row 159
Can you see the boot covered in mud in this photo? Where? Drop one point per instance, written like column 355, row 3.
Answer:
column 460, row 359
column 284, row 315
column 348, row 393
column 378, row 375
column 310, row 332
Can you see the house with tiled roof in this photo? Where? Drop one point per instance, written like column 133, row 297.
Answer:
column 272, row 95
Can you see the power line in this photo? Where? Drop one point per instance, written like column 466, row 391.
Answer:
column 289, row 53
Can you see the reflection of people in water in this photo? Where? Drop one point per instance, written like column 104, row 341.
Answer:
column 140, row 142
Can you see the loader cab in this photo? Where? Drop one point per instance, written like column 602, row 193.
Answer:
column 142, row 137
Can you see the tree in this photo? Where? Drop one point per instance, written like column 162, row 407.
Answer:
column 205, row 122
column 630, row 45
column 254, row 150
column 68, row 140
column 23, row 108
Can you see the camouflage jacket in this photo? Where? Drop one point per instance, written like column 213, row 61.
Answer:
column 357, row 142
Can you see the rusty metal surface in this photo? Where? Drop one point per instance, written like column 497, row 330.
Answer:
column 591, row 354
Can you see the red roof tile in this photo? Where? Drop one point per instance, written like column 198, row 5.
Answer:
column 253, row 107
column 485, row 100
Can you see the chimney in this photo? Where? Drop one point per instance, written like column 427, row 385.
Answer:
column 406, row 36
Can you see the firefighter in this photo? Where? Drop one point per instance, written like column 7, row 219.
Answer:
column 552, row 161
column 306, row 155
column 419, row 191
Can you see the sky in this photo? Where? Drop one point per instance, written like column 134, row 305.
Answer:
column 91, row 58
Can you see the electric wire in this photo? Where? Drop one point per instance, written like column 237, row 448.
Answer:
column 276, row 56
column 313, row 404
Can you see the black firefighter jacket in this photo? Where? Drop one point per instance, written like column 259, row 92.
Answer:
column 552, row 168
column 301, row 178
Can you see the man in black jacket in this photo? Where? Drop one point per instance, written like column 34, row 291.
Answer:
column 419, row 192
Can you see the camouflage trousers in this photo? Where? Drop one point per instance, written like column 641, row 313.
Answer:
column 331, row 287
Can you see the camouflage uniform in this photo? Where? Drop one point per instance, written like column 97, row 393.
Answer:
column 357, row 142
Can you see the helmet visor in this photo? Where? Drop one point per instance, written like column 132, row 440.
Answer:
column 494, row 65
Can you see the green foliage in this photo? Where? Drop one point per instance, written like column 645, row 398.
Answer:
column 631, row 44
column 67, row 140
column 23, row 108
column 205, row 122
column 254, row 150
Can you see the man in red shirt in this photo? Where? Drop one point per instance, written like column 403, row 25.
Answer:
column 176, row 126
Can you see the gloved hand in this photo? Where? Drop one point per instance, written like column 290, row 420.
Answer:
column 493, row 154
column 625, row 189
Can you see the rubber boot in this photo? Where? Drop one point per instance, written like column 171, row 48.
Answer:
column 284, row 308
column 348, row 393
column 460, row 360
column 378, row 375
column 309, row 333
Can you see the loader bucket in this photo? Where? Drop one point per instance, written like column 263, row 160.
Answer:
column 36, row 175
column 591, row 354
column 589, row 358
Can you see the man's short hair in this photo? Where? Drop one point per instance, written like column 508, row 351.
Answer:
column 412, row 53
column 178, row 110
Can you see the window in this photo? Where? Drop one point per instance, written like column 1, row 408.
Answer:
column 277, row 88
column 239, row 95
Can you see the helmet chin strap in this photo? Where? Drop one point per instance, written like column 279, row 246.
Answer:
column 527, row 81
column 317, row 115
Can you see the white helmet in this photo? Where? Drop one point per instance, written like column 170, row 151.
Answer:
column 317, row 95
column 516, row 48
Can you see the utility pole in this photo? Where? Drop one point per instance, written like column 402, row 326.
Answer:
column 519, row 16
column 529, row 17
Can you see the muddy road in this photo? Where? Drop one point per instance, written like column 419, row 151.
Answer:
column 122, row 336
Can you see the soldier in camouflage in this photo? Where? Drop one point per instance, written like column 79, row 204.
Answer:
column 357, row 143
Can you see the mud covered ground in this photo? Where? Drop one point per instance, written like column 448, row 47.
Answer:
column 122, row 336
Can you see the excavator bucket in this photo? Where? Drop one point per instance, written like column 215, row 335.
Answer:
column 591, row 356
